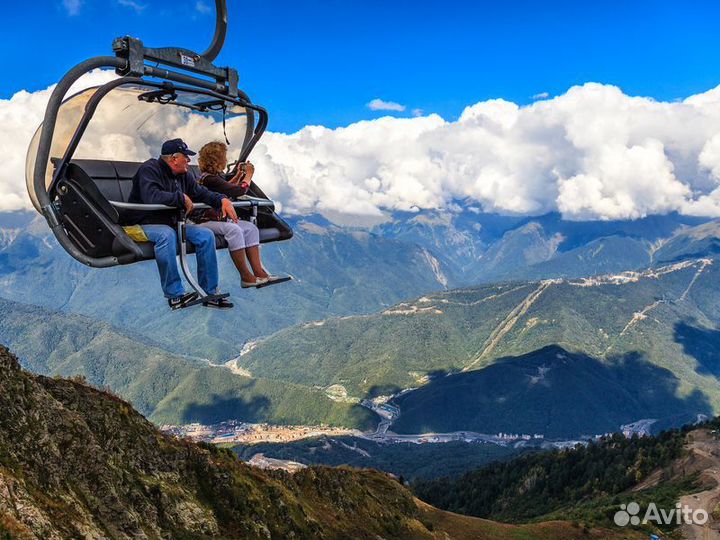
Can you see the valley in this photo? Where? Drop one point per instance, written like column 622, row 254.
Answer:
column 78, row 462
column 557, row 360
column 624, row 332
column 235, row 432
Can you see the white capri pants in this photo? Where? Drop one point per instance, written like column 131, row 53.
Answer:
column 242, row 234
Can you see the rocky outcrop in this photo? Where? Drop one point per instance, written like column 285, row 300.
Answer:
column 76, row 462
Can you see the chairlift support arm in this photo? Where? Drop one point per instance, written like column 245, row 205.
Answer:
column 134, row 51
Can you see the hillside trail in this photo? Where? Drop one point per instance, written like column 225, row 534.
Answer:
column 508, row 323
column 705, row 446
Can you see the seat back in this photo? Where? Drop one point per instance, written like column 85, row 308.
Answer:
column 112, row 178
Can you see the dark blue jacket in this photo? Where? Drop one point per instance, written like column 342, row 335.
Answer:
column 155, row 183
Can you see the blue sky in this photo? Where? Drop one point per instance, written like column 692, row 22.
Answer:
column 592, row 151
column 322, row 62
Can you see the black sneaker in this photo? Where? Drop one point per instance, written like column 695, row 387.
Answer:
column 182, row 301
column 218, row 303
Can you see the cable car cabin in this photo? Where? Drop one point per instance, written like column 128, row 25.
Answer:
column 101, row 137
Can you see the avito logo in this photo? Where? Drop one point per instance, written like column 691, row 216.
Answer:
column 680, row 515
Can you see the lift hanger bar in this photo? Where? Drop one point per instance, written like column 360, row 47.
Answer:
column 136, row 54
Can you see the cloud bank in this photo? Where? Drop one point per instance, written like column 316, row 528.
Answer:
column 591, row 153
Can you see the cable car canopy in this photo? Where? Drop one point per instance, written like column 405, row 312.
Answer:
column 129, row 124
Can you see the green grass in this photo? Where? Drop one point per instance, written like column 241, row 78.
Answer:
column 167, row 388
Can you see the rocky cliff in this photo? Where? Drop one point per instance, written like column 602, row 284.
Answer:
column 76, row 462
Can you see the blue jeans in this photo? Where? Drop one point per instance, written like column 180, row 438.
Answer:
column 166, row 246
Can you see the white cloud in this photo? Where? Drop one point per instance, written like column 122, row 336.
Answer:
column 19, row 117
column 591, row 153
column 541, row 95
column 132, row 4
column 203, row 7
column 380, row 105
column 72, row 6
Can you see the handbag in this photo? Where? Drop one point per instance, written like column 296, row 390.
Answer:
column 206, row 214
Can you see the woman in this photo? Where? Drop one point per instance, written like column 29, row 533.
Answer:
column 243, row 237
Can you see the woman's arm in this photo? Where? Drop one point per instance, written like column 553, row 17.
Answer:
column 218, row 184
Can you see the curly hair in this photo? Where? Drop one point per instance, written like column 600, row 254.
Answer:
column 212, row 157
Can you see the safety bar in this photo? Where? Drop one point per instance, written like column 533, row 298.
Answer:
column 244, row 202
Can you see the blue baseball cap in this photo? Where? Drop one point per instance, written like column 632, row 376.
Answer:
column 175, row 146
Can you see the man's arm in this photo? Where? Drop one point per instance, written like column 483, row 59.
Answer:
column 154, row 191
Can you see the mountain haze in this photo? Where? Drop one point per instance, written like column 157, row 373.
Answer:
column 483, row 248
column 337, row 271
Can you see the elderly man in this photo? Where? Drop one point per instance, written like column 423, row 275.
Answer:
column 167, row 181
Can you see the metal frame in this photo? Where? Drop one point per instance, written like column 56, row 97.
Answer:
column 182, row 235
column 245, row 202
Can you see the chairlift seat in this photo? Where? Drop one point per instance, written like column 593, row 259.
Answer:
column 101, row 182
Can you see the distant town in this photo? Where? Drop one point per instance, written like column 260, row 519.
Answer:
column 236, row 432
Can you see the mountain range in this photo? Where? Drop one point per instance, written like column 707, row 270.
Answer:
column 338, row 271
column 164, row 386
column 632, row 305
column 483, row 248
column 645, row 336
column 330, row 265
